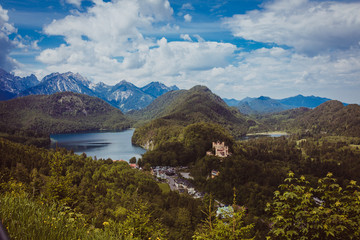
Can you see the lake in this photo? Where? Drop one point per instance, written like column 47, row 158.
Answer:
column 264, row 134
column 114, row 145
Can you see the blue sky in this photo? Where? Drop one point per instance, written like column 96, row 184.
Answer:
column 237, row 48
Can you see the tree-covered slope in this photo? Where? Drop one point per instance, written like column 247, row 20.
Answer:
column 91, row 199
column 177, row 109
column 331, row 117
column 59, row 113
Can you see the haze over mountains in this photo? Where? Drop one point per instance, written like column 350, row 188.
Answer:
column 264, row 104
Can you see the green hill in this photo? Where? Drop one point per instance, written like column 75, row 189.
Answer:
column 168, row 114
column 280, row 121
column 65, row 112
column 332, row 118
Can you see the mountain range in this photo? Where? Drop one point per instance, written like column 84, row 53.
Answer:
column 127, row 97
column 263, row 105
column 11, row 85
column 124, row 95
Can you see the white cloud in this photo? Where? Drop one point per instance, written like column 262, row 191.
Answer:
column 170, row 58
column 186, row 37
column 199, row 38
column 187, row 6
column 111, row 31
column 107, row 43
column 311, row 27
column 107, row 31
column 6, row 45
column 187, row 18
column 74, row 2
column 279, row 73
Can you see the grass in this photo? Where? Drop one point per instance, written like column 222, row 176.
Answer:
column 24, row 218
column 164, row 187
column 355, row 147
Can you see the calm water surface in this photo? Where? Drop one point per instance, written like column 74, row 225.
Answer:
column 114, row 145
column 253, row 136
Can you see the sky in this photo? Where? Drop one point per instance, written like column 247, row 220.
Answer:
column 237, row 48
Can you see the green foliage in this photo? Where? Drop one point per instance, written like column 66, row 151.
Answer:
column 101, row 190
column 28, row 219
column 137, row 225
column 229, row 225
column 132, row 160
column 328, row 211
column 164, row 187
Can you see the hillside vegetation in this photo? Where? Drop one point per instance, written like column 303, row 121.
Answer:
column 332, row 118
column 55, row 193
column 42, row 115
column 167, row 115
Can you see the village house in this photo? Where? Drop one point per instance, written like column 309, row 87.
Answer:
column 134, row 165
column 214, row 173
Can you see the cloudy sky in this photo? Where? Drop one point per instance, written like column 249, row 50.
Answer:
column 238, row 48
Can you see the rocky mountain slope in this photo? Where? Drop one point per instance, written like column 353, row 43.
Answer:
column 124, row 95
column 11, row 85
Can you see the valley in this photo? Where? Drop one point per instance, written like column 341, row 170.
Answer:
column 178, row 128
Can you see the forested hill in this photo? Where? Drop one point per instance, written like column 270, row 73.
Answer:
column 59, row 113
column 331, row 117
column 184, row 107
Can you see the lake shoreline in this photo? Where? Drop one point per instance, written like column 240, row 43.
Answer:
column 268, row 133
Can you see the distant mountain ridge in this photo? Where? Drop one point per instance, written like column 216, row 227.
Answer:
column 302, row 101
column 57, row 82
column 124, row 95
column 11, row 85
column 156, row 89
column 264, row 105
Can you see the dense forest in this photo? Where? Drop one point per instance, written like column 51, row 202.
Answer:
column 330, row 118
column 60, row 195
column 97, row 192
column 32, row 119
column 94, row 199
